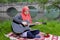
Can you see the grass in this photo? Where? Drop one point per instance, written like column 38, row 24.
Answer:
column 52, row 27
column 5, row 27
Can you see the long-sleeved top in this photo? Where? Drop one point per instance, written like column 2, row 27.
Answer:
column 17, row 25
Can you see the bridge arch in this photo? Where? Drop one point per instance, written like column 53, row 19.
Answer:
column 12, row 11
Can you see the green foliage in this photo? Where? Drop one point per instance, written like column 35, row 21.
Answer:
column 24, row 0
column 30, row 1
column 3, row 1
column 12, row 1
column 39, row 1
column 56, row 2
column 9, row 1
column 42, row 1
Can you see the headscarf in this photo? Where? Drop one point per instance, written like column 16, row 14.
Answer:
column 26, row 17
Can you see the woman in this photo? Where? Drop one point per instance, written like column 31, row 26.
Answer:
column 21, row 24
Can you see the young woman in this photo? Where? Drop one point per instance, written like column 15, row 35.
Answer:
column 21, row 24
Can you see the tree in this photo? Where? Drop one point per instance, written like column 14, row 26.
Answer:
column 56, row 3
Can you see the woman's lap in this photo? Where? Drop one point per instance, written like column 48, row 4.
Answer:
column 35, row 32
column 30, row 34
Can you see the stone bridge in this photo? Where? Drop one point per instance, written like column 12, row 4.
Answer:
column 6, row 9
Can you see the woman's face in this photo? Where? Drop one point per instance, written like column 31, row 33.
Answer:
column 26, row 12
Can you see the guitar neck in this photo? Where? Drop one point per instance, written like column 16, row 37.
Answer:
column 36, row 23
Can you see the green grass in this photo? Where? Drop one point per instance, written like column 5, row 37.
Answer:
column 52, row 27
column 5, row 27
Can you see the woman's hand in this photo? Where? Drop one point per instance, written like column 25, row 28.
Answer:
column 25, row 23
column 38, row 23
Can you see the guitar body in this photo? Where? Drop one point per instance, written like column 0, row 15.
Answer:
column 18, row 28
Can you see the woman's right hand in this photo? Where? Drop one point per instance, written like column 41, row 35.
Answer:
column 38, row 23
column 25, row 23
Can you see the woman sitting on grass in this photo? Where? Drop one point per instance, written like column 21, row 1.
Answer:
column 21, row 24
